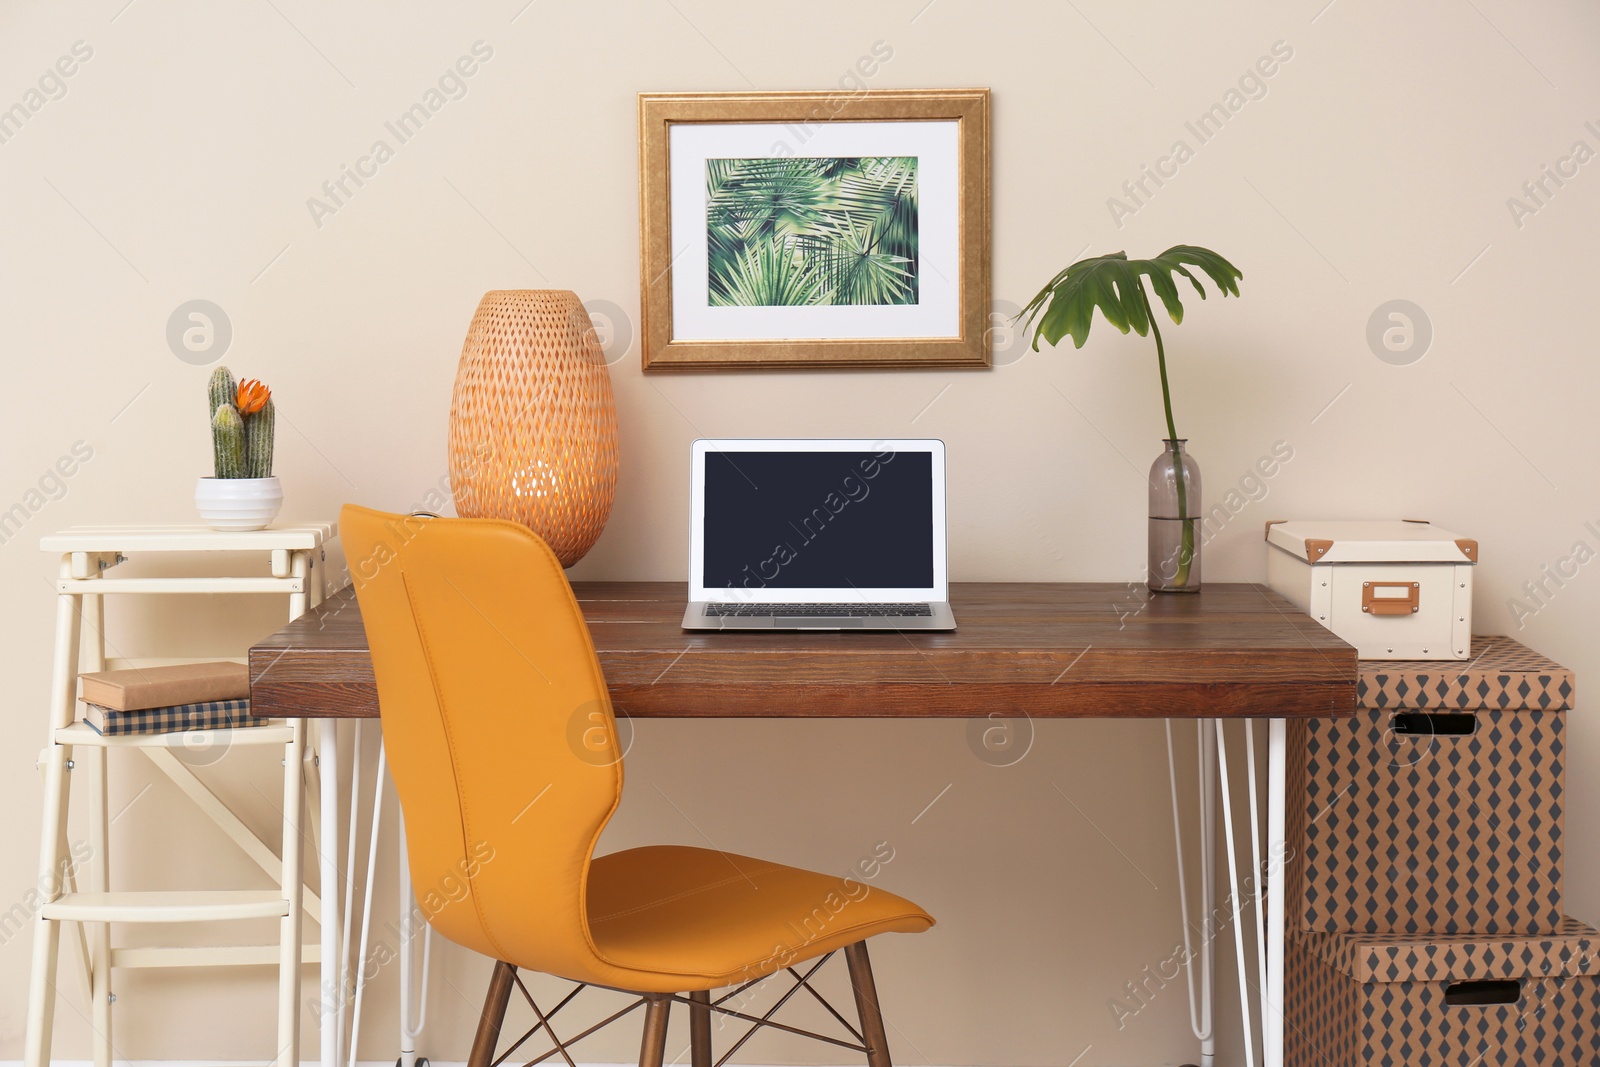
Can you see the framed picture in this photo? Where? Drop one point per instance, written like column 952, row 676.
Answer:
column 827, row 229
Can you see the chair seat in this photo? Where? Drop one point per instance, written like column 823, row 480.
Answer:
column 702, row 919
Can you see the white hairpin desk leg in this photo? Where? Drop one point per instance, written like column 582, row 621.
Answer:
column 375, row 827
column 412, row 926
column 331, row 1024
column 356, row 970
column 1277, row 855
column 1208, row 892
column 1238, row 916
column 1201, row 1010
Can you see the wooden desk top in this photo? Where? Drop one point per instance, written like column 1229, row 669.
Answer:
column 1045, row 650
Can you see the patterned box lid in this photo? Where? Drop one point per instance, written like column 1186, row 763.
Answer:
column 1501, row 674
column 1573, row 949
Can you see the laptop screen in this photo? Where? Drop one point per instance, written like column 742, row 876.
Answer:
column 819, row 519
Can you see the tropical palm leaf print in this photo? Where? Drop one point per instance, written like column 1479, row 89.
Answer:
column 796, row 231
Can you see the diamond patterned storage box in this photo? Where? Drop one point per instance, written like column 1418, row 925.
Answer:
column 1464, row 1000
column 1438, row 807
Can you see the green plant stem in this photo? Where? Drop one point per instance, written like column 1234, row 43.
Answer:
column 1161, row 362
column 1186, row 544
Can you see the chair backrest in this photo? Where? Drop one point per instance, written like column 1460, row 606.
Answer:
column 497, row 725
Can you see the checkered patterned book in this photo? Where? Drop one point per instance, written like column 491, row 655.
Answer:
column 211, row 715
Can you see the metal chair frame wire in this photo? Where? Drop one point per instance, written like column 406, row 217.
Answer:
column 701, row 1006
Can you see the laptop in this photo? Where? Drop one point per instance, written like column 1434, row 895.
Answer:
column 818, row 535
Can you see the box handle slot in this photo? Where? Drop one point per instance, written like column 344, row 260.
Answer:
column 1391, row 598
column 1482, row 993
column 1433, row 724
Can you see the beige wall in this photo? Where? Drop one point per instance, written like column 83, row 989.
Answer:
column 1377, row 166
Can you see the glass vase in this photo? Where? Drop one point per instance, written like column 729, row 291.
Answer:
column 1174, row 521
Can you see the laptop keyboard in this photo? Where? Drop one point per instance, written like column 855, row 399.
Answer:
column 837, row 611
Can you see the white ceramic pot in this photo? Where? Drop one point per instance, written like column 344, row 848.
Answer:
column 238, row 503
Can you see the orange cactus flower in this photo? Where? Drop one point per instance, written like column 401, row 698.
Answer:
column 251, row 397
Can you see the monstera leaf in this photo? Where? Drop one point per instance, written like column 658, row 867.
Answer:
column 1112, row 284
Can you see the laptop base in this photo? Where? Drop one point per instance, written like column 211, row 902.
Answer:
column 939, row 619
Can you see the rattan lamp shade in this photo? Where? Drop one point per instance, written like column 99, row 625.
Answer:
column 533, row 426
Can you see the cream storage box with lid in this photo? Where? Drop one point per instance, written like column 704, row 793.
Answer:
column 1394, row 589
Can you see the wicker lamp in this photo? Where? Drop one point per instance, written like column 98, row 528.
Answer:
column 533, row 426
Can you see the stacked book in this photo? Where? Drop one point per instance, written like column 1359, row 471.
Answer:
column 158, row 700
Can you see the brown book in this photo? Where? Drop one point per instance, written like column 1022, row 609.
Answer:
column 141, row 688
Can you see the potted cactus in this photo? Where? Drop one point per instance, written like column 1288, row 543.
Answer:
column 243, row 494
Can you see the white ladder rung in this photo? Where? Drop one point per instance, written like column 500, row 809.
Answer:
column 110, row 586
column 167, row 906
column 81, row 733
column 153, row 956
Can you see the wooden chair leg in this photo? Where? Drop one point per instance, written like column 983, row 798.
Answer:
column 653, row 1051
column 867, row 1004
column 494, row 1015
column 700, row 1029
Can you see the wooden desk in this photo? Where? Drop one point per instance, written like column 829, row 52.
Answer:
column 1022, row 649
column 1041, row 649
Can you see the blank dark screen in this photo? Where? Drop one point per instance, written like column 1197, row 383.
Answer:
column 816, row 520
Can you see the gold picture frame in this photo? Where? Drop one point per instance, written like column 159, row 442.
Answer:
column 955, row 310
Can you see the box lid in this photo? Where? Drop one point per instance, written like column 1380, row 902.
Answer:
column 1370, row 541
column 1502, row 674
column 1570, row 950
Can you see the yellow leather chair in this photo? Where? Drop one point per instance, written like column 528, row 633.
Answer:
column 503, row 749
